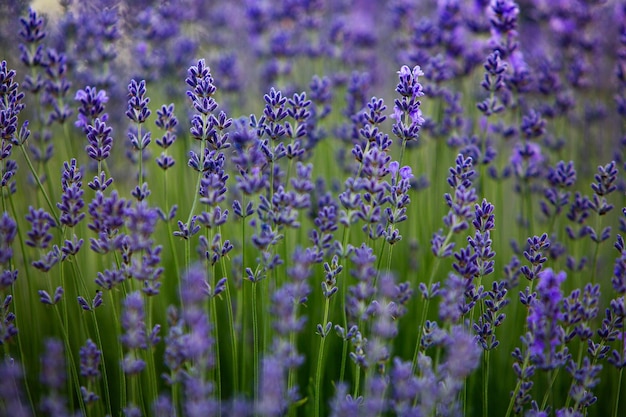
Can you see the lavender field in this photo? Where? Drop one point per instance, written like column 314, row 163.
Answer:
column 313, row 208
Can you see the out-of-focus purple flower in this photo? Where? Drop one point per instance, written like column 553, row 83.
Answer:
column 585, row 378
column 343, row 404
column 451, row 307
column 462, row 354
column 163, row 407
column 133, row 323
column 11, row 393
column 533, row 125
column 493, row 83
column 41, row 222
column 8, row 231
column 503, row 18
column 32, row 33
column 7, row 325
column 527, row 159
column 273, row 386
column 545, row 333
column 90, row 357
column 561, row 177
column 198, row 399
column 56, row 87
column 53, row 376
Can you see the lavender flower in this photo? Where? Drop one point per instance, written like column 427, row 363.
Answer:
column 11, row 393
column 91, row 102
column 7, row 324
column 90, row 358
column 133, row 322
column 166, row 121
column 41, row 222
column 8, row 231
column 100, row 140
column 53, row 378
column 32, row 33
column 407, row 112
column 493, row 83
column 72, row 198
column 545, row 332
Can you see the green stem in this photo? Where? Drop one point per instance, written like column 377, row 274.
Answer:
column 43, row 191
column 107, row 394
column 122, row 383
column 357, row 381
column 320, row 360
column 551, row 379
column 72, row 364
column 518, row 386
column 255, row 334
column 344, row 354
column 231, row 326
column 619, row 388
column 486, row 384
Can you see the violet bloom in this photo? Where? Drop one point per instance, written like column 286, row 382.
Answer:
column 56, row 87
column 138, row 112
column 545, row 333
column 32, row 33
column 503, row 19
column 166, row 121
column 343, row 404
column 11, row 393
column 134, row 337
column 493, row 83
column 91, row 103
column 100, row 140
column 90, row 357
column 53, row 378
column 527, row 160
column 8, row 232
column 41, row 222
column 72, row 201
column 7, row 320
column 406, row 110
column 560, row 178
column 460, row 213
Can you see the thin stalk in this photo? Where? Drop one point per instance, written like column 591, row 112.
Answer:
column 149, row 353
column 197, row 188
column 231, row 326
column 344, row 354
column 518, row 386
column 486, row 384
column 41, row 187
column 320, row 360
column 619, row 388
column 107, row 394
column 122, row 382
column 357, row 381
column 72, row 364
column 551, row 379
column 255, row 348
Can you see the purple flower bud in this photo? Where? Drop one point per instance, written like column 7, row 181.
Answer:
column 134, row 336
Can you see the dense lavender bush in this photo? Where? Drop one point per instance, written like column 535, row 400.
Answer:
column 311, row 208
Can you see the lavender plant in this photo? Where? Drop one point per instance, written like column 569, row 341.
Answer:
column 320, row 252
